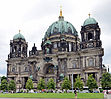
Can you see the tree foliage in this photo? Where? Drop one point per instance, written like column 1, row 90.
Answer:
column 91, row 83
column 41, row 84
column 29, row 84
column 51, row 84
column 66, row 84
column 4, row 85
column 106, row 80
column 0, row 86
column 79, row 83
column 12, row 85
column 3, row 77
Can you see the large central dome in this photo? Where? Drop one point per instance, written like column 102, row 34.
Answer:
column 60, row 27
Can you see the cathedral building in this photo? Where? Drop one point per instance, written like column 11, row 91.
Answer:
column 62, row 54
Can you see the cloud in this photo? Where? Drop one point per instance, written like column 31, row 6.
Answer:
column 104, row 17
column 1, row 75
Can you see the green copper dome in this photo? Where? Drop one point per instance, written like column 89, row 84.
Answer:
column 89, row 21
column 60, row 27
column 18, row 36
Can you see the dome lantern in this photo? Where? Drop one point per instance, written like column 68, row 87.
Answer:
column 60, row 27
column 89, row 21
column 18, row 36
column 61, row 18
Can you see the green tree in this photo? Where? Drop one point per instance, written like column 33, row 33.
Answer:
column 66, row 84
column 106, row 80
column 41, row 84
column 51, row 84
column 79, row 83
column 0, row 86
column 29, row 84
column 4, row 85
column 3, row 77
column 12, row 86
column 91, row 83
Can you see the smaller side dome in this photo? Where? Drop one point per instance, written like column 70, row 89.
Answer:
column 18, row 36
column 89, row 21
column 48, row 42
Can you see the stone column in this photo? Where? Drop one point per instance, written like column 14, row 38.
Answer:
column 86, row 76
column 23, row 80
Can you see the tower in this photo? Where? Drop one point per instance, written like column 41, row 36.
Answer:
column 90, row 34
column 16, row 62
column 91, row 49
column 33, row 51
column 18, row 46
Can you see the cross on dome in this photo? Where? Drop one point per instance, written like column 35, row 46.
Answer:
column 60, row 10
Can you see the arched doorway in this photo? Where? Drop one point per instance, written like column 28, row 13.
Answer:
column 90, row 36
column 49, row 72
column 48, row 69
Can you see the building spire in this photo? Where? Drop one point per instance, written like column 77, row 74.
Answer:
column 19, row 31
column 89, row 15
column 61, row 18
column 60, row 10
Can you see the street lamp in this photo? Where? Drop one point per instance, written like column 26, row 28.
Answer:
column 72, row 82
column 55, row 69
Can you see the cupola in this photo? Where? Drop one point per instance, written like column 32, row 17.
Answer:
column 89, row 21
column 60, row 27
column 18, row 36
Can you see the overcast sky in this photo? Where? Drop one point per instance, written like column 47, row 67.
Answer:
column 33, row 17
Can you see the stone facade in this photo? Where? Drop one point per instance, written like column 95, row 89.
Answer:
column 62, row 55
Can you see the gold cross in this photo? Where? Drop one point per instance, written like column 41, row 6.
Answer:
column 60, row 10
column 19, row 31
column 89, row 14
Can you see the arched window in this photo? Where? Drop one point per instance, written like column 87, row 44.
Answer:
column 23, row 49
column 74, row 65
column 91, row 62
column 55, row 30
column 55, row 45
column 15, row 48
column 13, row 69
column 11, row 49
column 70, row 46
column 85, row 36
column 50, row 69
column 58, row 44
column 26, row 68
column 90, row 36
column 69, row 30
